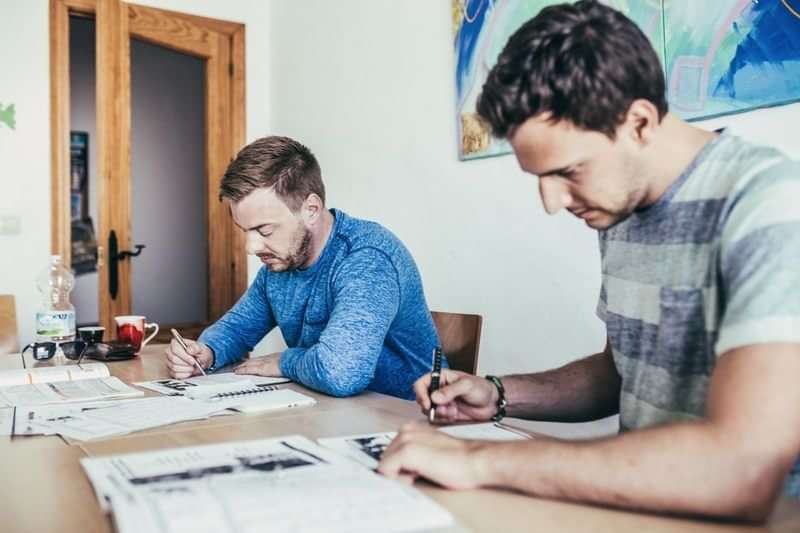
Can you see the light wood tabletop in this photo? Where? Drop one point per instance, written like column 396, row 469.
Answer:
column 45, row 489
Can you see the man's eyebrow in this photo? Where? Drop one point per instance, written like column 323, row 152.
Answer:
column 560, row 170
column 254, row 228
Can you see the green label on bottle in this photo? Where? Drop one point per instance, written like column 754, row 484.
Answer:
column 55, row 324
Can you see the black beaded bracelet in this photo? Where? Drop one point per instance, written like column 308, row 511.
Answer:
column 501, row 398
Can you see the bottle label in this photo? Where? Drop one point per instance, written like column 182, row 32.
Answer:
column 55, row 324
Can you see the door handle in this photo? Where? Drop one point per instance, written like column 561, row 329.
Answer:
column 115, row 255
column 127, row 253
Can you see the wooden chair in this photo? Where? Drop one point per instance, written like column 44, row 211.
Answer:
column 9, row 341
column 460, row 336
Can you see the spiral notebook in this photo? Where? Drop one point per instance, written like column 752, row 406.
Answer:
column 255, row 399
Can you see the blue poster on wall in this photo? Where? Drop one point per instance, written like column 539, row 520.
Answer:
column 730, row 56
column 719, row 57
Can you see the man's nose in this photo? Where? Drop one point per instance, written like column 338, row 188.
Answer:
column 253, row 243
column 555, row 195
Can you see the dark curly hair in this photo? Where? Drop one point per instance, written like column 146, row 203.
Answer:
column 583, row 62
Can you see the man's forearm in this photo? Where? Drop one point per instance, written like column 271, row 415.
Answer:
column 686, row 469
column 583, row 390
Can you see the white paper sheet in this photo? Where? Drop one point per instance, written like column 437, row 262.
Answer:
column 6, row 420
column 287, row 484
column 367, row 449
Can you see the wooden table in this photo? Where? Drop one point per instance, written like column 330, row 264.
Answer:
column 45, row 489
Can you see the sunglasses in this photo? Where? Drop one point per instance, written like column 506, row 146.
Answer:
column 77, row 350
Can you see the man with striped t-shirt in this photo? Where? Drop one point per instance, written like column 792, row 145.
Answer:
column 700, row 244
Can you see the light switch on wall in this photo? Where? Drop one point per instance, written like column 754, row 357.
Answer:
column 9, row 225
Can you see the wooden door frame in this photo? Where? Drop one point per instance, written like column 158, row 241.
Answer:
column 221, row 44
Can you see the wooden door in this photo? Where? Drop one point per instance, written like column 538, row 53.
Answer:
column 221, row 45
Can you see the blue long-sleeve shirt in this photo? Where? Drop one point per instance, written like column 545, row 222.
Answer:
column 356, row 319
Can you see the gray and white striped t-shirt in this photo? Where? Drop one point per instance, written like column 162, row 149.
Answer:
column 713, row 265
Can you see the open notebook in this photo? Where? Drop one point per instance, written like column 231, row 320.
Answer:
column 250, row 398
column 60, row 384
column 50, row 374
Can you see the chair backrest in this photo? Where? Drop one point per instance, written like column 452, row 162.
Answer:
column 460, row 336
column 9, row 342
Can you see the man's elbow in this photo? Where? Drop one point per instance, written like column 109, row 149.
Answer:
column 752, row 497
column 341, row 383
column 344, row 388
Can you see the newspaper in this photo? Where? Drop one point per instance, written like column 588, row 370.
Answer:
column 287, row 484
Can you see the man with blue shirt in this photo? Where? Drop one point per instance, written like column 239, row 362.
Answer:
column 345, row 293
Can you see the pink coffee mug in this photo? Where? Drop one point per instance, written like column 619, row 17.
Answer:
column 131, row 329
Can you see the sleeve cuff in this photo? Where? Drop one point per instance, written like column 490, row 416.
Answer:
column 289, row 359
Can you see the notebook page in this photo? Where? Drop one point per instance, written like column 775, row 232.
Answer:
column 178, row 387
column 264, row 400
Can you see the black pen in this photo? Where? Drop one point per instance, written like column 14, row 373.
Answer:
column 436, row 372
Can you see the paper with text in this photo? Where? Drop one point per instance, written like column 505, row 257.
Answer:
column 287, row 484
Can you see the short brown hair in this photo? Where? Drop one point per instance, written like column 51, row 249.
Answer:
column 278, row 162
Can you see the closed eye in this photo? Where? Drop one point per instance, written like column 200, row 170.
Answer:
column 568, row 173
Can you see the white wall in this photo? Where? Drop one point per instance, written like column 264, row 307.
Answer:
column 25, row 152
column 368, row 85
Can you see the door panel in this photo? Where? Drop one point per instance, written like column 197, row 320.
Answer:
column 219, row 45
column 168, row 187
column 114, row 163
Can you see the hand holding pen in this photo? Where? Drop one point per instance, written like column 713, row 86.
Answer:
column 182, row 342
column 436, row 372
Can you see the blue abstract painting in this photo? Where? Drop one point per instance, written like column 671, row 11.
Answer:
column 720, row 57
column 729, row 56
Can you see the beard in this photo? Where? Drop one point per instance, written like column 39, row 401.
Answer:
column 635, row 193
column 297, row 256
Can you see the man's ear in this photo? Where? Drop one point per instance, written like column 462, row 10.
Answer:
column 641, row 121
column 312, row 209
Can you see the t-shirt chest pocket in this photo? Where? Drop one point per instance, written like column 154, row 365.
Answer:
column 683, row 347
